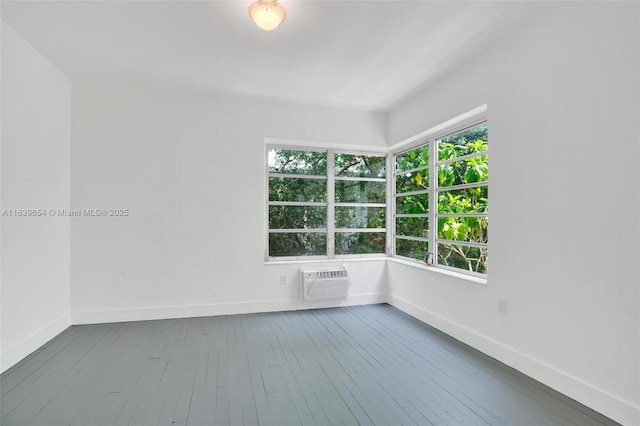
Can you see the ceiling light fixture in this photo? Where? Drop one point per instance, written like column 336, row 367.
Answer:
column 267, row 14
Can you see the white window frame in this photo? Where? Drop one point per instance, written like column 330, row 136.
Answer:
column 330, row 204
column 430, row 137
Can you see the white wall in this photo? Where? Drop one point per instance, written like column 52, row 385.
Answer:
column 563, row 128
column 190, row 167
column 36, row 106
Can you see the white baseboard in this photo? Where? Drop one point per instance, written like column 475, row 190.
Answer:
column 234, row 308
column 29, row 344
column 599, row 400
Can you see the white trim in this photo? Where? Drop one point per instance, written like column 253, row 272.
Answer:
column 293, row 146
column 297, row 230
column 409, row 171
column 433, row 202
column 323, row 146
column 439, row 269
column 485, row 214
column 331, row 204
column 412, row 238
column 409, row 193
column 215, row 309
column 356, row 230
column 265, row 202
column 468, row 119
column 462, row 157
column 341, row 257
column 461, row 243
column 464, row 272
column 345, row 258
column 365, row 151
column 390, row 201
column 271, row 260
column 463, row 186
column 32, row 342
column 593, row 397
column 295, row 176
column 359, row 179
column 429, row 140
column 298, row 203
column 353, row 205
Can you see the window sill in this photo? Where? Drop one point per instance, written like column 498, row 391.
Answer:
column 413, row 264
column 326, row 260
column 420, row 265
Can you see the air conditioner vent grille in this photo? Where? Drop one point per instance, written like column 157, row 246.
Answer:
column 325, row 283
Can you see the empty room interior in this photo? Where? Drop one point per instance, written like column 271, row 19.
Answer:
column 278, row 212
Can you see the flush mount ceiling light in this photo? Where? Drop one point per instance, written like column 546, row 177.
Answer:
column 267, row 14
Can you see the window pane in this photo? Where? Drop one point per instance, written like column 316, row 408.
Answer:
column 360, row 166
column 291, row 189
column 285, row 161
column 360, row 242
column 471, row 170
column 412, row 226
column 415, row 181
column 412, row 249
column 348, row 191
column 470, row 229
column 463, row 143
column 468, row 200
column 413, row 159
column 360, row 217
column 468, row 258
column 413, row 204
column 298, row 244
column 297, row 217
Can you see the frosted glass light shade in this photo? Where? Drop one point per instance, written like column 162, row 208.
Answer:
column 267, row 14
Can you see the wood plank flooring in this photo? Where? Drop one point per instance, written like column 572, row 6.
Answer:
column 369, row 365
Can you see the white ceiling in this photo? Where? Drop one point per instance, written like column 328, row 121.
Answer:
column 365, row 55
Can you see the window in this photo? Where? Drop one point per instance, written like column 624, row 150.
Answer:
column 324, row 203
column 360, row 204
column 297, row 206
column 441, row 201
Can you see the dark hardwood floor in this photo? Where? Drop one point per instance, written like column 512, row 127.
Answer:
column 354, row 365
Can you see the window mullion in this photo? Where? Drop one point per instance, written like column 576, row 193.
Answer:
column 294, row 176
column 465, row 186
column 408, row 193
column 297, row 203
column 433, row 199
column 360, row 204
column 331, row 201
column 463, row 157
column 391, row 205
column 415, row 169
column 266, row 210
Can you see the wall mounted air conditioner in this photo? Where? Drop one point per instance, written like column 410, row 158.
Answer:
column 325, row 283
